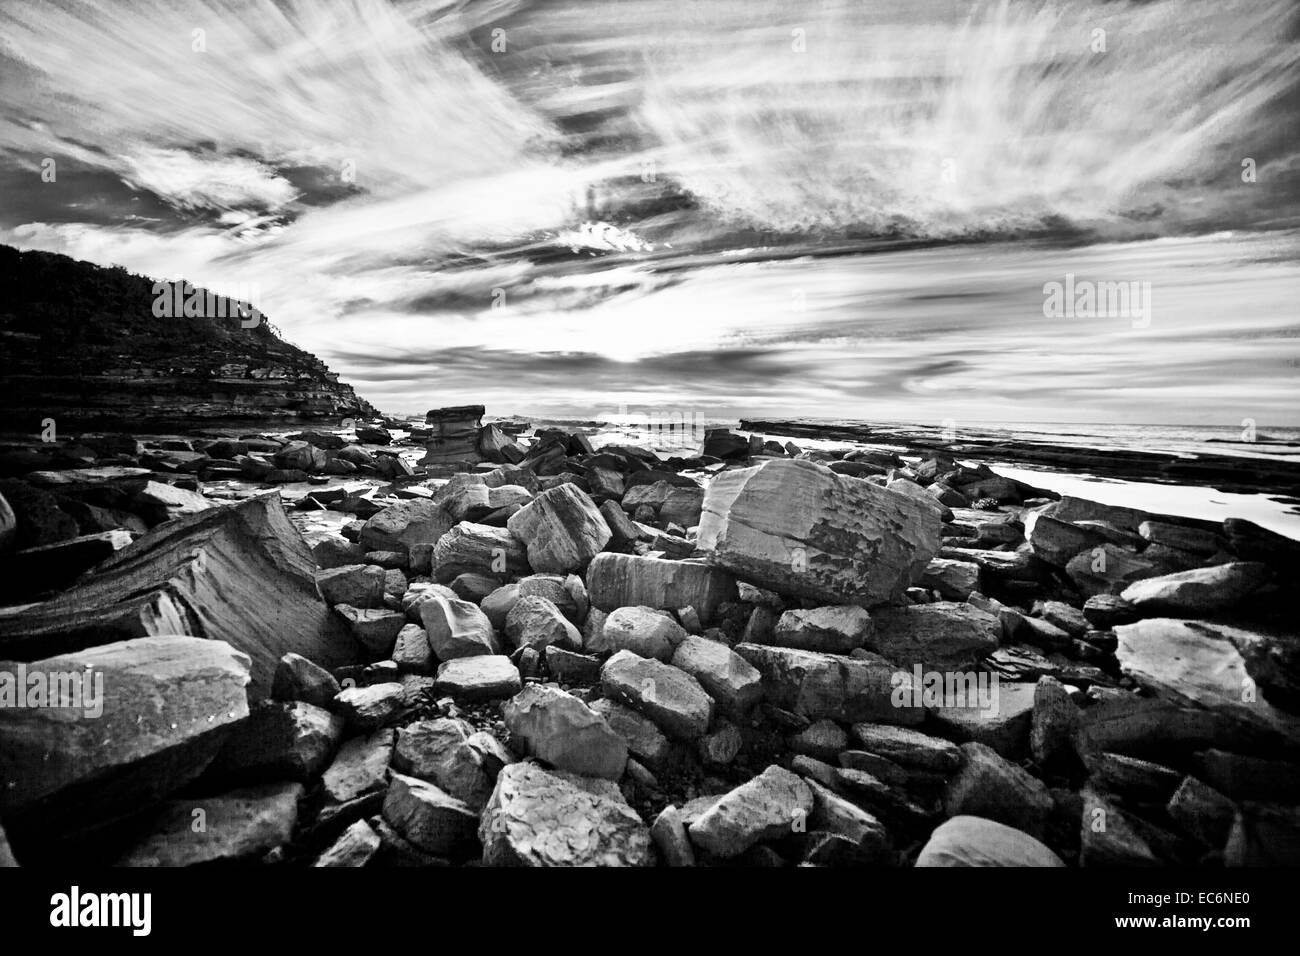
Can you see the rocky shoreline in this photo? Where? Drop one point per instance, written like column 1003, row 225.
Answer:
column 324, row 649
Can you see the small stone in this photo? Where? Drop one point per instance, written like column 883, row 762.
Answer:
column 644, row 631
column 572, row 668
column 355, row 848
column 412, row 653
column 831, row 630
column 1054, row 722
column 727, row 677
column 645, row 740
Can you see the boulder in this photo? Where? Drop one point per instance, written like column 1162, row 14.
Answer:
column 558, row 728
column 280, row 741
column 457, row 628
column 562, row 530
column 976, row 841
column 670, row 697
column 297, row 678
column 954, row 580
column 241, row 574
column 1056, row 541
column 356, row 847
column 405, row 524
column 989, row 786
column 538, row 817
column 644, row 631
column 1197, row 592
column 449, row 753
column 772, row 805
column 1108, row 569
column 358, row 775
column 834, row 814
column 368, row 708
column 375, row 629
column 728, row 678
column 939, row 636
column 645, row 741
column 537, row 623
column 357, row 585
column 628, row 580
column 816, row 685
column 153, row 714
column 833, row 630
column 239, row 826
column 908, row 747
column 478, row 549
column 798, row 528
column 484, row 677
column 429, row 817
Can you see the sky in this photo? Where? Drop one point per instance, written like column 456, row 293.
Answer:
column 727, row 209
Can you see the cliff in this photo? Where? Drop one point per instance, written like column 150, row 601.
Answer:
column 82, row 345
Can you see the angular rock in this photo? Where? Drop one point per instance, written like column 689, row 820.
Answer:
column 645, row 741
column 953, row 580
column 772, row 805
column 401, row 526
column 478, row 549
column 255, row 592
column 359, row 769
column 940, row 636
column 429, row 817
column 448, row 752
column 1108, row 837
column 485, row 677
column 1054, row 723
column 355, row 848
column 560, row 729
column 976, row 841
column 562, row 529
column 497, row 605
column 834, row 814
column 1264, row 835
column 153, row 714
column 1107, row 610
column 816, row 685
column 626, row 580
column 280, row 741
column 375, row 629
column 1107, row 569
column 798, row 528
column 1002, row 722
column 670, row 697
column 1198, row 591
column 991, row 787
column 412, row 653
column 297, row 678
column 669, row 834
column 1056, row 541
column 570, row 667
column 537, row 817
column 1202, row 812
column 908, row 747
column 457, row 628
column 644, row 631
column 367, row 708
column 831, row 630
column 537, row 623
column 728, row 678
column 238, row 826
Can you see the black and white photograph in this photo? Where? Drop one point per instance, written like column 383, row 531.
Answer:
column 726, row 434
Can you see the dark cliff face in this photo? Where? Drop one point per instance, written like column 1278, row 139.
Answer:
column 81, row 344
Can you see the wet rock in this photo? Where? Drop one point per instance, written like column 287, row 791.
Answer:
column 486, row 677
column 154, row 714
column 644, row 631
column 989, row 786
column 1194, row 662
column 938, row 636
column 297, row 678
column 238, row 826
column 538, row 817
column 976, row 841
column 770, row 806
column 457, row 629
column 670, row 697
column 429, row 817
column 817, row 685
column 562, row 529
column 537, row 623
column 563, row 731
column 798, row 528
column 626, row 580
column 1199, row 591
column 727, row 677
